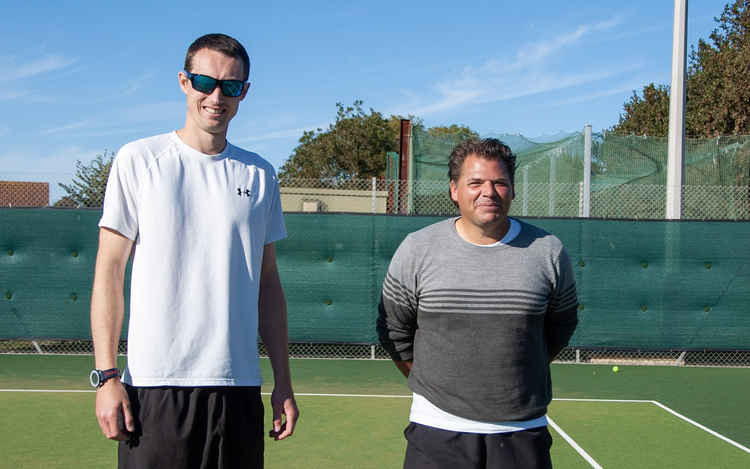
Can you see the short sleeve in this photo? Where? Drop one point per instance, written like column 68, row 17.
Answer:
column 275, row 228
column 120, row 211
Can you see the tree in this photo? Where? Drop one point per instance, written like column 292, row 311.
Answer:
column 89, row 183
column 718, row 87
column 718, row 90
column 454, row 132
column 647, row 115
column 353, row 147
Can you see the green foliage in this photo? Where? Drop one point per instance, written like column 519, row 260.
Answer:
column 89, row 183
column 647, row 115
column 455, row 132
column 718, row 87
column 718, row 91
column 355, row 146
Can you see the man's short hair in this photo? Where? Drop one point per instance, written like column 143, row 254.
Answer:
column 227, row 45
column 486, row 148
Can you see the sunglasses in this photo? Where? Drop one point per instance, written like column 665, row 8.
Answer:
column 207, row 84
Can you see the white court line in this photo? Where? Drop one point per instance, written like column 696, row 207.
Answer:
column 397, row 396
column 717, row 435
column 575, row 445
column 676, row 414
column 638, row 401
column 263, row 393
column 47, row 390
column 346, row 395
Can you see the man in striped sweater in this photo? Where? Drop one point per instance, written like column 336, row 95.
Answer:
column 473, row 310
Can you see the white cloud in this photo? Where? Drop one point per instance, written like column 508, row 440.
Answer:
column 278, row 134
column 594, row 95
column 170, row 111
column 531, row 71
column 9, row 95
column 37, row 67
column 67, row 127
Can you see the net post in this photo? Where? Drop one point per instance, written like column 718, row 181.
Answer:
column 372, row 351
column 374, row 195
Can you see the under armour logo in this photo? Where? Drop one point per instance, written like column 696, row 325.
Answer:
column 246, row 192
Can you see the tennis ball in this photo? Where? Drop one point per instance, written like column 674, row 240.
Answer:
column 615, row 369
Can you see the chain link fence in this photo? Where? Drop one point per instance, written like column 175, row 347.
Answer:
column 431, row 197
column 425, row 197
column 569, row 355
column 24, row 194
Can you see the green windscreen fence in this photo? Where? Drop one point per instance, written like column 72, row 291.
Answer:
column 641, row 284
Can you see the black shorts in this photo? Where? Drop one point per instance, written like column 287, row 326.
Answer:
column 189, row 427
column 433, row 448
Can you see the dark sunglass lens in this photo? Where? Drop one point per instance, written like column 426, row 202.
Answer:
column 232, row 88
column 203, row 83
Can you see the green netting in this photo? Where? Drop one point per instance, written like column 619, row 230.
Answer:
column 616, row 159
column 642, row 284
column 619, row 164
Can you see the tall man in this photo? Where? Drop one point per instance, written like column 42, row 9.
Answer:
column 201, row 216
column 473, row 310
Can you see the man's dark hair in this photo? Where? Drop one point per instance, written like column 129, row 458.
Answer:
column 227, row 45
column 486, row 148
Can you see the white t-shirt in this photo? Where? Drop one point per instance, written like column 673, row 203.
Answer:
column 199, row 223
column 425, row 412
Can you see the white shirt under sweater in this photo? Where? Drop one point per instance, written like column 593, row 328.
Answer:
column 426, row 413
column 200, row 223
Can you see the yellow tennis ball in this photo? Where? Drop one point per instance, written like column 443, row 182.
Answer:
column 615, row 369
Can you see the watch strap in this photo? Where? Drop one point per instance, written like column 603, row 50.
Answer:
column 102, row 376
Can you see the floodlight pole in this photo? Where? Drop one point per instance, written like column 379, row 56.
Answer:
column 676, row 146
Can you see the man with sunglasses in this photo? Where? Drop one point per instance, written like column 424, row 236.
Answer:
column 200, row 217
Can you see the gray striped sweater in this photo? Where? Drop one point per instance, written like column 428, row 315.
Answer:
column 479, row 322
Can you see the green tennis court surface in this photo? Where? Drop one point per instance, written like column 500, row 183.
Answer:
column 352, row 416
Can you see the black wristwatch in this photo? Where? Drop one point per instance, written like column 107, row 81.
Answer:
column 99, row 377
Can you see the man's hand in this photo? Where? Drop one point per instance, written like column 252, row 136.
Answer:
column 283, row 403
column 113, row 410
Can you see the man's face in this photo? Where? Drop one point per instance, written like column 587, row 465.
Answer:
column 483, row 192
column 212, row 112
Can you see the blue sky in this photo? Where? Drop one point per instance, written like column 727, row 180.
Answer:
column 82, row 77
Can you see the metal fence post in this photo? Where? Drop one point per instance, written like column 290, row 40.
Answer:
column 587, row 171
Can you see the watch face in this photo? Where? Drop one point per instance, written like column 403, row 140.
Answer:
column 94, row 378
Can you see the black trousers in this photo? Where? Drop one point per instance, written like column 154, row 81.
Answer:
column 433, row 448
column 188, row 427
